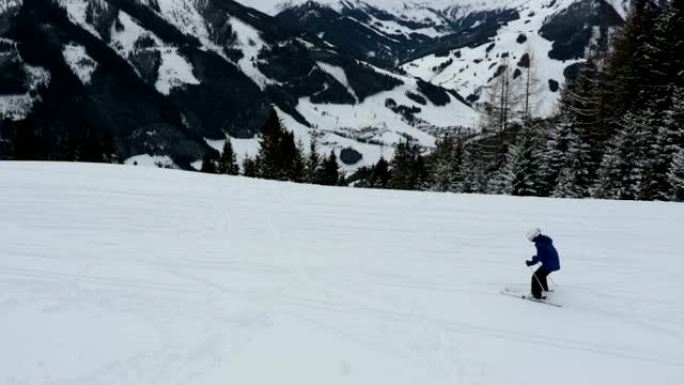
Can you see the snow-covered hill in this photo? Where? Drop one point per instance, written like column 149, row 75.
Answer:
column 124, row 275
column 549, row 38
column 463, row 44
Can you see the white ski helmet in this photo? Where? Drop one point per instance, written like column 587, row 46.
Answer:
column 533, row 233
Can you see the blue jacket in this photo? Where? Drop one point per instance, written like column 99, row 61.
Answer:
column 546, row 253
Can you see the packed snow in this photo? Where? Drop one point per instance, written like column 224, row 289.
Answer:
column 128, row 275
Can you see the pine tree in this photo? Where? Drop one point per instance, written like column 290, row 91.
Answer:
column 291, row 161
column 522, row 174
column 446, row 165
column 269, row 162
column 298, row 170
column 622, row 173
column 279, row 157
column 380, row 174
column 476, row 176
column 90, row 150
column 674, row 33
column 664, row 143
column 313, row 163
column 674, row 133
column 625, row 65
column 554, row 155
column 407, row 168
column 250, row 168
column 208, row 165
column 582, row 109
column 67, row 148
column 662, row 94
column 609, row 183
column 342, row 180
column 419, row 171
column 649, row 64
column 457, row 164
column 676, row 176
column 499, row 182
column 227, row 163
column 574, row 179
column 26, row 143
column 330, row 175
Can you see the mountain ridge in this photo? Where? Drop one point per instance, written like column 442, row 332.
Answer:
column 216, row 67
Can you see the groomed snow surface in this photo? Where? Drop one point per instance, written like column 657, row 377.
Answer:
column 129, row 275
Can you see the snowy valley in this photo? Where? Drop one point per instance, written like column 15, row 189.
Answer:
column 464, row 44
column 171, row 80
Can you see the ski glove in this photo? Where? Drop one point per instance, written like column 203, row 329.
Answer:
column 529, row 263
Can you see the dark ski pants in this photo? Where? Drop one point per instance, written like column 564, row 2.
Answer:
column 539, row 282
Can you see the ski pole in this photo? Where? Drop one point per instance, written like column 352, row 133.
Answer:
column 534, row 274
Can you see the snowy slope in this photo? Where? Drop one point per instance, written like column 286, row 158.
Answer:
column 125, row 275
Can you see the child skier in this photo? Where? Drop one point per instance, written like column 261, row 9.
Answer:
column 547, row 255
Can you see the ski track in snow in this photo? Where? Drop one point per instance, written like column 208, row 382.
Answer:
column 128, row 275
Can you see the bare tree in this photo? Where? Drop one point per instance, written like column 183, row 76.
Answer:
column 498, row 108
column 532, row 86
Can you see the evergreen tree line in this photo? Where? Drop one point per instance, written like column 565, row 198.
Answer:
column 279, row 158
column 619, row 133
column 25, row 142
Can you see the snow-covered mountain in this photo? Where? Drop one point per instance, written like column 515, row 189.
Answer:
column 174, row 77
column 115, row 275
column 463, row 44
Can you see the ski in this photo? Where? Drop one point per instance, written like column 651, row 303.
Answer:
column 518, row 290
column 529, row 298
